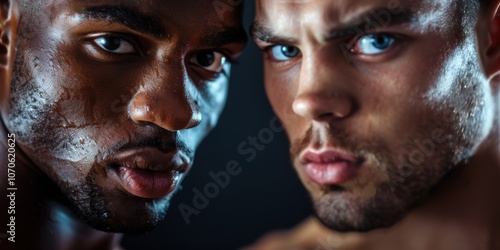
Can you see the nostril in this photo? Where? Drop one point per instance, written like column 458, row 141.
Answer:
column 143, row 123
column 325, row 116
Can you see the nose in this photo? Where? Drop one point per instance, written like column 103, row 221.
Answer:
column 168, row 103
column 322, row 107
column 322, row 95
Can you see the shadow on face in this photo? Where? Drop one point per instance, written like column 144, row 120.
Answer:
column 380, row 99
column 111, row 98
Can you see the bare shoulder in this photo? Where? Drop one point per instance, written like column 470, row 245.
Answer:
column 310, row 234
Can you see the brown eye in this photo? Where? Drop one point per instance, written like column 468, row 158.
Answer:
column 209, row 60
column 206, row 58
column 114, row 44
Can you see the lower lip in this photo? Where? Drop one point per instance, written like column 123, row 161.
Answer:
column 331, row 173
column 147, row 183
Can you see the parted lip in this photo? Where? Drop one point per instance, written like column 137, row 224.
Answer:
column 330, row 166
column 150, row 158
column 148, row 165
column 327, row 156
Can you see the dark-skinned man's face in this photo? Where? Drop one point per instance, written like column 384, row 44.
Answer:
column 111, row 98
column 379, row 98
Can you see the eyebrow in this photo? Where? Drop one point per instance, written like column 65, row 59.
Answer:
column 149, row 25
column 259, row 31
column 355, row 26
column 359, row 25
column 134, row 20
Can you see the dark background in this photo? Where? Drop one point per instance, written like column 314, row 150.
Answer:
column 266, row 196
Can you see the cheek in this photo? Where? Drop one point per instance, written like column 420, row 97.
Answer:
column 281, row 89
column 30, row 98
column 398, row 97
column 443, row 108
column 48, row 105
column 211, row 98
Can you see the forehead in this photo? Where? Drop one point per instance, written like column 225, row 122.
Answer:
column 159, row 6
column 288, row 15
column 192, row 13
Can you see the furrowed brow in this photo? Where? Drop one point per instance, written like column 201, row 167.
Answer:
column 132, row 19
column 259, row 31
column 368, row 21
column 218, row 38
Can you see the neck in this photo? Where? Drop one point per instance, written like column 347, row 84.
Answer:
column 42, row 216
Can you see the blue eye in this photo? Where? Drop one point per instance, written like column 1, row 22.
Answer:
column 374, row 44
column 284, row 53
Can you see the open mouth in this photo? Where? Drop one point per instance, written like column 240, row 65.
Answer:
column 148, row 172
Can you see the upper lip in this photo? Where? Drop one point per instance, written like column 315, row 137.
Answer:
column 158, row 153
column 327, row 156
column 150, row 158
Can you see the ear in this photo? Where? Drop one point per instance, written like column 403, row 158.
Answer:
column 488, row 35
column 9, row 19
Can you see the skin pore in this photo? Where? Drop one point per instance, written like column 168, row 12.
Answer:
column 108, row 101
column 405, row 90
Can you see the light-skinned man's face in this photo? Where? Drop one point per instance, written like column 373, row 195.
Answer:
column 111, row 98
column 380, row 99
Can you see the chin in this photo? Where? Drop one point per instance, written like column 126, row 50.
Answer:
column 123, row 226
column 353, row 214
column 358, row 226
column 117, row 211
column 133, row 219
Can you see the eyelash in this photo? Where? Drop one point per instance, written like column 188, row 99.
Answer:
column 267, row 50
column 91, row 41
column 102, row 54
column 351, row 42
column 208, row 75
column 229, row 58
